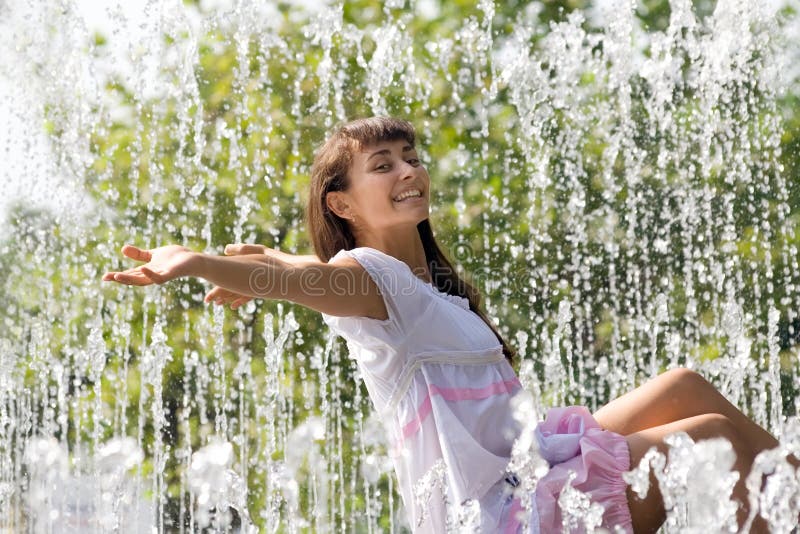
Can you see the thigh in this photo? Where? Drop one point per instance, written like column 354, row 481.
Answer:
column 671, row 396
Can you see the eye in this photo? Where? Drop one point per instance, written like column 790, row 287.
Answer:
column 414, row 162
column 383, row 167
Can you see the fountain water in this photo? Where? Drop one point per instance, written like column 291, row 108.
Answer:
column 614, row 178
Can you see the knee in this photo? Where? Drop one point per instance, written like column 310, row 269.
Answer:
column 715, row 425
column 687, row 380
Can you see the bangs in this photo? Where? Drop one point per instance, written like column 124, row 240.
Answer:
column 364, row 132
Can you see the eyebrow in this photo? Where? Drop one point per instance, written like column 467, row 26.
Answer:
column 386, row 151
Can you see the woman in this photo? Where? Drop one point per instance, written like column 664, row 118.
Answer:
column 434, row 365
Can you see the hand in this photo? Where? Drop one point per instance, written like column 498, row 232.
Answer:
column 163, row 264
column 241, row 249
column 222, row 296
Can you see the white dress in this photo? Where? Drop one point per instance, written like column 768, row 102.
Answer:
column 437, row 375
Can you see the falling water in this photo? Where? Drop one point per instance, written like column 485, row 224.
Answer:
column 614, row 179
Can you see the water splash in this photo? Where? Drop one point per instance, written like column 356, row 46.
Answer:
column 696, row 481
column 218, row 489
column 579, row 513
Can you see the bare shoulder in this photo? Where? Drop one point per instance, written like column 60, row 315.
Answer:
column 342, row 288
column 348, row 262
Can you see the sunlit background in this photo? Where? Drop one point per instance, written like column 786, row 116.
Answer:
column 620, row 179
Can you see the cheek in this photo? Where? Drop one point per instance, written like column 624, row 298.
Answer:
column 375, row 202
column 426, row 180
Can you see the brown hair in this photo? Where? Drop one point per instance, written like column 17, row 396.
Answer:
column 330, row 233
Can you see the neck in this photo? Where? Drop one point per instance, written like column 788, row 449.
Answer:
column 406, row 247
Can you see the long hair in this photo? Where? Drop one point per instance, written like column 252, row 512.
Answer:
column 330, row 233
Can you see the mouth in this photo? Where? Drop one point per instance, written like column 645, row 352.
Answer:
column 408, row 196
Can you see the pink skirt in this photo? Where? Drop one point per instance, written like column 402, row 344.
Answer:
column 570, row 439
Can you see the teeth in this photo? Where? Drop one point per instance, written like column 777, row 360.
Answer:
column 403, row 196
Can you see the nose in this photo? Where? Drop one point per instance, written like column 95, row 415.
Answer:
column 408, row 170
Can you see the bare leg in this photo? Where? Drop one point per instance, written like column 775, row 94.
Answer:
column 648, row 514
column 674, row 395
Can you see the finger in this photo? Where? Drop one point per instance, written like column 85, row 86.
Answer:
column 252, row 249
column 136, row 253
column 228, row 298
column 223, row 295
column 214, row 291
column 110, row 276
column 156, row 277
column 243, row 249
column 132, row 279
column 211, row 295
column 238, row 302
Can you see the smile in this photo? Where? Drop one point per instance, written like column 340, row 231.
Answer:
column 411, row 193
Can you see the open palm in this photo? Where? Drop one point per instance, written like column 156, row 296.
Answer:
column 163, row 264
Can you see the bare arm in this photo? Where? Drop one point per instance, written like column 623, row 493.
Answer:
column 240, row 249
column 341, row 289
column 221, row 296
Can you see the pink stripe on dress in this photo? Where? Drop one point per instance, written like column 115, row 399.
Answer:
column 512, row 527
column 456, row 394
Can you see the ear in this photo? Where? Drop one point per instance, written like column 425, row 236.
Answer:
column 337, row 203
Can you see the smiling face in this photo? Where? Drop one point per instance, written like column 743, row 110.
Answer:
column 388, row 188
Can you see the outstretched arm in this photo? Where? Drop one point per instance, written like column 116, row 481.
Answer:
column 341, row 289
column 241, row 249
column 245, row 275
column 222, row 296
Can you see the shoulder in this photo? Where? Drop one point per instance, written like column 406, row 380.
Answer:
column 373, row 260
column 365, row 252
column 343, row 259
column 341, row 287
column 401, row 294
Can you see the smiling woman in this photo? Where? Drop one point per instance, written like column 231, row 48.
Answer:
column 377, row 156
column 436, row 369
column 388, row 188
